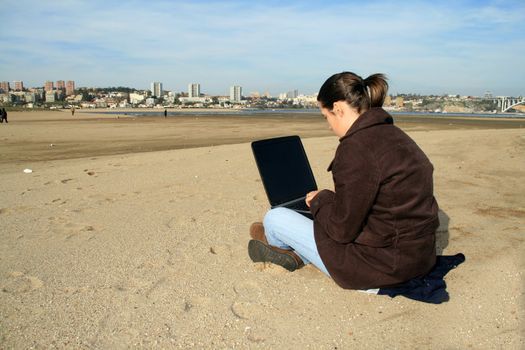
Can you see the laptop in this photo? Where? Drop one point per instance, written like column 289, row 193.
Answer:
column 285, row 172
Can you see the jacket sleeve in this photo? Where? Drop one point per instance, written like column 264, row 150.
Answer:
column 342, row 214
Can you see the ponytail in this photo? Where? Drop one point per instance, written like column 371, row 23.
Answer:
column 377, row 88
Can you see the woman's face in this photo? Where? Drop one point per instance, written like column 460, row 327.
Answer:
column 340, row 118
column 330, row 118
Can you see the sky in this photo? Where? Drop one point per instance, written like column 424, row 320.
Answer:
column 424, row 47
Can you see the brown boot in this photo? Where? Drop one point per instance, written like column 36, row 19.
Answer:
column 260, row 251
column 257, row 232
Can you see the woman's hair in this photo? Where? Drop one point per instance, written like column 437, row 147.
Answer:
column 361, row 94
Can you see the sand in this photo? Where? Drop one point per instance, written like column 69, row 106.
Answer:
column 125, row 235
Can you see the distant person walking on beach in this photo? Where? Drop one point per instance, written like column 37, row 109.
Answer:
column 72, row 111
column 3, row 116
column 165, row 113
column 377, row 228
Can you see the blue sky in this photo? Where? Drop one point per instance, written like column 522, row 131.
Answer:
column 426, row 47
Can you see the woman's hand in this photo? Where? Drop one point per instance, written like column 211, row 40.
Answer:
column 309, row 197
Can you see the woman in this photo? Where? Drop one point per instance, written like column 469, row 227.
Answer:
column 377, row 228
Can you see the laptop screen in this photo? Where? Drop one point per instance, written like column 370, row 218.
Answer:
column 284, row 168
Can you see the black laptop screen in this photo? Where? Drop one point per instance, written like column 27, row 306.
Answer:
column 284, row 168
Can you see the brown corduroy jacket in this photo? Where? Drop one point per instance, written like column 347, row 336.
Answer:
column 378, row 227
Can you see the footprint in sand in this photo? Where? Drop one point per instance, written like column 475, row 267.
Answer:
column 156, row 286
column 20, row 209
column 175, row 222
column 196, row 303
column 248, row 290
column 255, row 335
column 74, row 230
column 57, row 201
column 18, row 283
column 247, row 303
column 246, row 310
column 64, row 227
column 500, row 212
column 100, row 199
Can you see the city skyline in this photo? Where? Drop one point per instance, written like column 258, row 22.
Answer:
column 452, row 47
column 194, row 90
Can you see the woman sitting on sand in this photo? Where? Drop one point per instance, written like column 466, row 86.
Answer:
column 378, row 227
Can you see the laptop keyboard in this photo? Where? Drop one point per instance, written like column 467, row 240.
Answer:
column 300, row 205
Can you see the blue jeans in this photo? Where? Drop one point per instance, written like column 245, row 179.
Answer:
column 287, row 229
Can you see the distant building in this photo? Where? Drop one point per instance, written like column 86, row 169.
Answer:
column 306, row 100
column 124, row 104
column 77, row 98
column 70, row 88
column 4, row 86
column 156, row 89
column 235, row 93
column 400, row 101
column 19, row 85
column 60, row 85
column 49, row 86
column 194, row 90
column 100, row 103
column 135, row 98
column 50, row 96
column 17, row 97
column 150, row 102
column 289, row 95
column 197, row 101
column 5, row 98
column 292, row 94
column 39, row 93
column 30, row 97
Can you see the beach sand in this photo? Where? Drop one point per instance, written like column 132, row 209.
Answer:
column 128, row 235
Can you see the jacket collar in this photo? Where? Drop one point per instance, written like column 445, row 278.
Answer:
column 374, row 116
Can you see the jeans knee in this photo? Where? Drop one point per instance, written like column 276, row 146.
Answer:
column 273, row 215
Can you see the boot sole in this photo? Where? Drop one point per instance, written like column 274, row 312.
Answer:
column 260, row 252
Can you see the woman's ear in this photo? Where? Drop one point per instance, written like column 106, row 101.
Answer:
column 339, row 108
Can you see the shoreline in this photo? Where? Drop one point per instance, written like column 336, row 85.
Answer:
column 284, row 111
column 55, row 135
column 263, row 111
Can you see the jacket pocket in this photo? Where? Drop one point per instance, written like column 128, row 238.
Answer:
column 422, row 229
column 370, row 239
